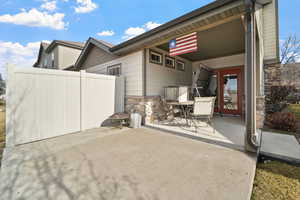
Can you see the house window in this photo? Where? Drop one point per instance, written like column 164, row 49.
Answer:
column 170, row 62
column 180, row 65
column 114, row 70
column 155, row 57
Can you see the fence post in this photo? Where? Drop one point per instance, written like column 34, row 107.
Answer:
column 10, row 118
column 82, row 99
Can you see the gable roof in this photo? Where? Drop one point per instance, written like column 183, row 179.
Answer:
column 43, row 47
column 71, row 44
column 106, row 46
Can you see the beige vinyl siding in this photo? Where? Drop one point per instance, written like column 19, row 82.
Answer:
column 67, row 56
column 131, row 69
column 160, row 76
column 270, row 31
column 222, row 62
column 97, row 56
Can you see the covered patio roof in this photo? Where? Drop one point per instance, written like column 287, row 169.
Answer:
column 207, row 17
column 223, row 40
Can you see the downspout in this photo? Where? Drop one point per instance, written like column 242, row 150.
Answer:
column 251, row 138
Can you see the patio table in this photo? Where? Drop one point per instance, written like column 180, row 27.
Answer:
column 183, row 106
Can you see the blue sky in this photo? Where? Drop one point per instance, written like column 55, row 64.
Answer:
column 24, row 23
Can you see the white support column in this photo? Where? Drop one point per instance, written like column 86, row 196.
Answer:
column 251, row 138
column 10, row 106
column 82, row 99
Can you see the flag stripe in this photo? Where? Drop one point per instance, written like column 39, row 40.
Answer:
column 184, row 51
column 183, row 47
column 186, row 43
column 191, row 34
column 190, row 51
column 186, row 39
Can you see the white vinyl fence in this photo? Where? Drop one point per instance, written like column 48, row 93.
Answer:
column 44, row 103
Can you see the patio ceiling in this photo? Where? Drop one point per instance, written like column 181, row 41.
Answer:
column 223, row 40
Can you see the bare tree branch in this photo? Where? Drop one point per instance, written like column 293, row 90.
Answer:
column 290, row 50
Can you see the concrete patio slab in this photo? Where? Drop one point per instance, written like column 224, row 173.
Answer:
column 280, row 146
column 226, row 131
column 125, row 164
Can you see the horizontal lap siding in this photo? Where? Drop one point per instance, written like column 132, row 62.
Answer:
column 270, row 31
column 160, row 76
column 132, row 65
column 97, row 56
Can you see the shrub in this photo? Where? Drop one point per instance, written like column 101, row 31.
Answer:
column 293, row 98
column 277, row 100
column 285, row 121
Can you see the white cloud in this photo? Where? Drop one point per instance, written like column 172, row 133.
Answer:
column 36, row 18
column 151, row 25
column 135, row 31
column 106, row 33
column 50, row 5
column 85, row 6
column 18, row 54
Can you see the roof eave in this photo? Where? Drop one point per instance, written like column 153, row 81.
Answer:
column 196, row 13
column 56, row 42
column 87, row 46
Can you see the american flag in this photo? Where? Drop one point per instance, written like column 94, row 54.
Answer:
column 184, row 44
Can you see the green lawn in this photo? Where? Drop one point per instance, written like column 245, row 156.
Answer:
column 277, row 181
column 295, row 109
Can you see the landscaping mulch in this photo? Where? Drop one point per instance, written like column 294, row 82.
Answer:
column 277, row 181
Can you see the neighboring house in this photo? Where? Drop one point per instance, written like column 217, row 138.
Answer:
column 236, row 39
column 95, row 52
column 40, row 63
column 59, row 54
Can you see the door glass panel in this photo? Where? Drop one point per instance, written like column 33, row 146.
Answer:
column 230, row 92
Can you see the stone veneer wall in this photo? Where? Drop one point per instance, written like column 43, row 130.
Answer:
column 272, row 77
column 151, row 108
column 154, row 108
column 278, row 74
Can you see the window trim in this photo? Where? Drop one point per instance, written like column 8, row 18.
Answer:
column 154, row 62
column 180, row 61
column 119, row 65
column 171, row 58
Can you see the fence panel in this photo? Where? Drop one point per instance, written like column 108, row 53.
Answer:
column 43, row 103
column 98, row 99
